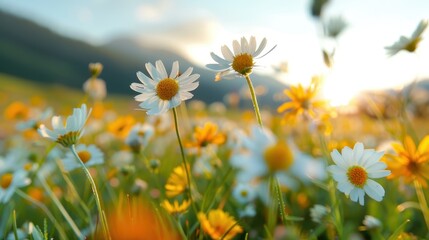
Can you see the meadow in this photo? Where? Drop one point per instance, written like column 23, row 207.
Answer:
column 163, row 165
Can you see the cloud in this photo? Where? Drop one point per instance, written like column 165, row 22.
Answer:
column 153, row 11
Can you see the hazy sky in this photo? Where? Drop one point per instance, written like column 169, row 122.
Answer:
column 195, row 28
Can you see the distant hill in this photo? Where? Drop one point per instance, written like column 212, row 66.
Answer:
column 33, row 52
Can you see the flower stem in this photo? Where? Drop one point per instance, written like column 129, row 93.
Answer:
column 102, row 216
column 254, row 100
column 44, row 209
column 185, row 163
column 336, row 208
column 60, row 207
column 422, row 201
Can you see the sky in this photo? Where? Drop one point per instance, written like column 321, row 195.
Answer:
column 196, row 28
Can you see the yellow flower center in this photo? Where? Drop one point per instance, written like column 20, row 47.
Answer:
column 357, row 176
column 68, row 139
column 243, row 63
column 84, row 155
column 278, row 157
column 167, row 89
column 412, row 46
column 244, row 193
column 6, row 180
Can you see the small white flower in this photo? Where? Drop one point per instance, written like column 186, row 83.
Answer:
column 89, row 155
column 371, row 222
column 248, row 211
column 241, row 61
column 244, row 193
column 354, row 169
column 318, row 212
column 95, row 88
column 10, row 181
column 69, row 133
column 408, row 44
column 33, row 123
column 161, row 92
column 139, row 136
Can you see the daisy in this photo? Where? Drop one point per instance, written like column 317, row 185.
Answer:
column 71, row 132
column 318, row 213
column 10, row 182
column 89, row 155
column 354, row 169
column 408, row 44
column 219, row 224
column 139, row 136
column 371, row 222
column 241, row 61
column 161, row 92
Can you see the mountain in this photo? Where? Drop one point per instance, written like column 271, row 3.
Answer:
column 34, row 52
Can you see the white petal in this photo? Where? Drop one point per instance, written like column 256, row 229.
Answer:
column 217, row 67
column 345, row 187
column 357, row 152
column 185, row 74
column 339, row 160
column 373, row 159
column 244, row 45
column 174, row 70
column 227, row 54
column 236, row 47
column 347, row 154
column 152, row 72
column 252, row 45
column 374, row 190
column 261, row 47
column 379, row 174
column 219, row 60
column 161, row 69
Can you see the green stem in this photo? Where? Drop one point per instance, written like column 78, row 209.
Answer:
column 422, row 201
column 44, row 209
column 336, row 208
column 60, row 207
column 94, row 191
column 185, row 163
column 15, row 229
column 254, row 100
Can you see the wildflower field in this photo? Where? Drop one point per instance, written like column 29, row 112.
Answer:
column 158, row 164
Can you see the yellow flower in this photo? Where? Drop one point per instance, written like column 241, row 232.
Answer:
column 121, row 126
column 208, row 134
column 218, row 224
column 302, row 102
column 176, row 208
column 410, row 162
column 17, row 111
column 177, row 183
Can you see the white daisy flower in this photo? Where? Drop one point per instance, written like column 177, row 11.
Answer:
column 241, row 61
column 69, row 133
column 89, row 155
column 139, row 136
column 408, row 44
column 244, row 193
column 354, row 169
column 95, row 88
column 319, row 212
column 161, row 92
column 10, row 181
column 33, row 123
column 371, row 222
column 263, row 156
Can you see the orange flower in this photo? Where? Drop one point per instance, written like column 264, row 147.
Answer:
column 302, row 102
column 137, row 219
column 121, row 126
column 208, row 134
column 410, row 162
column 218, row 224
column 17, row 111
